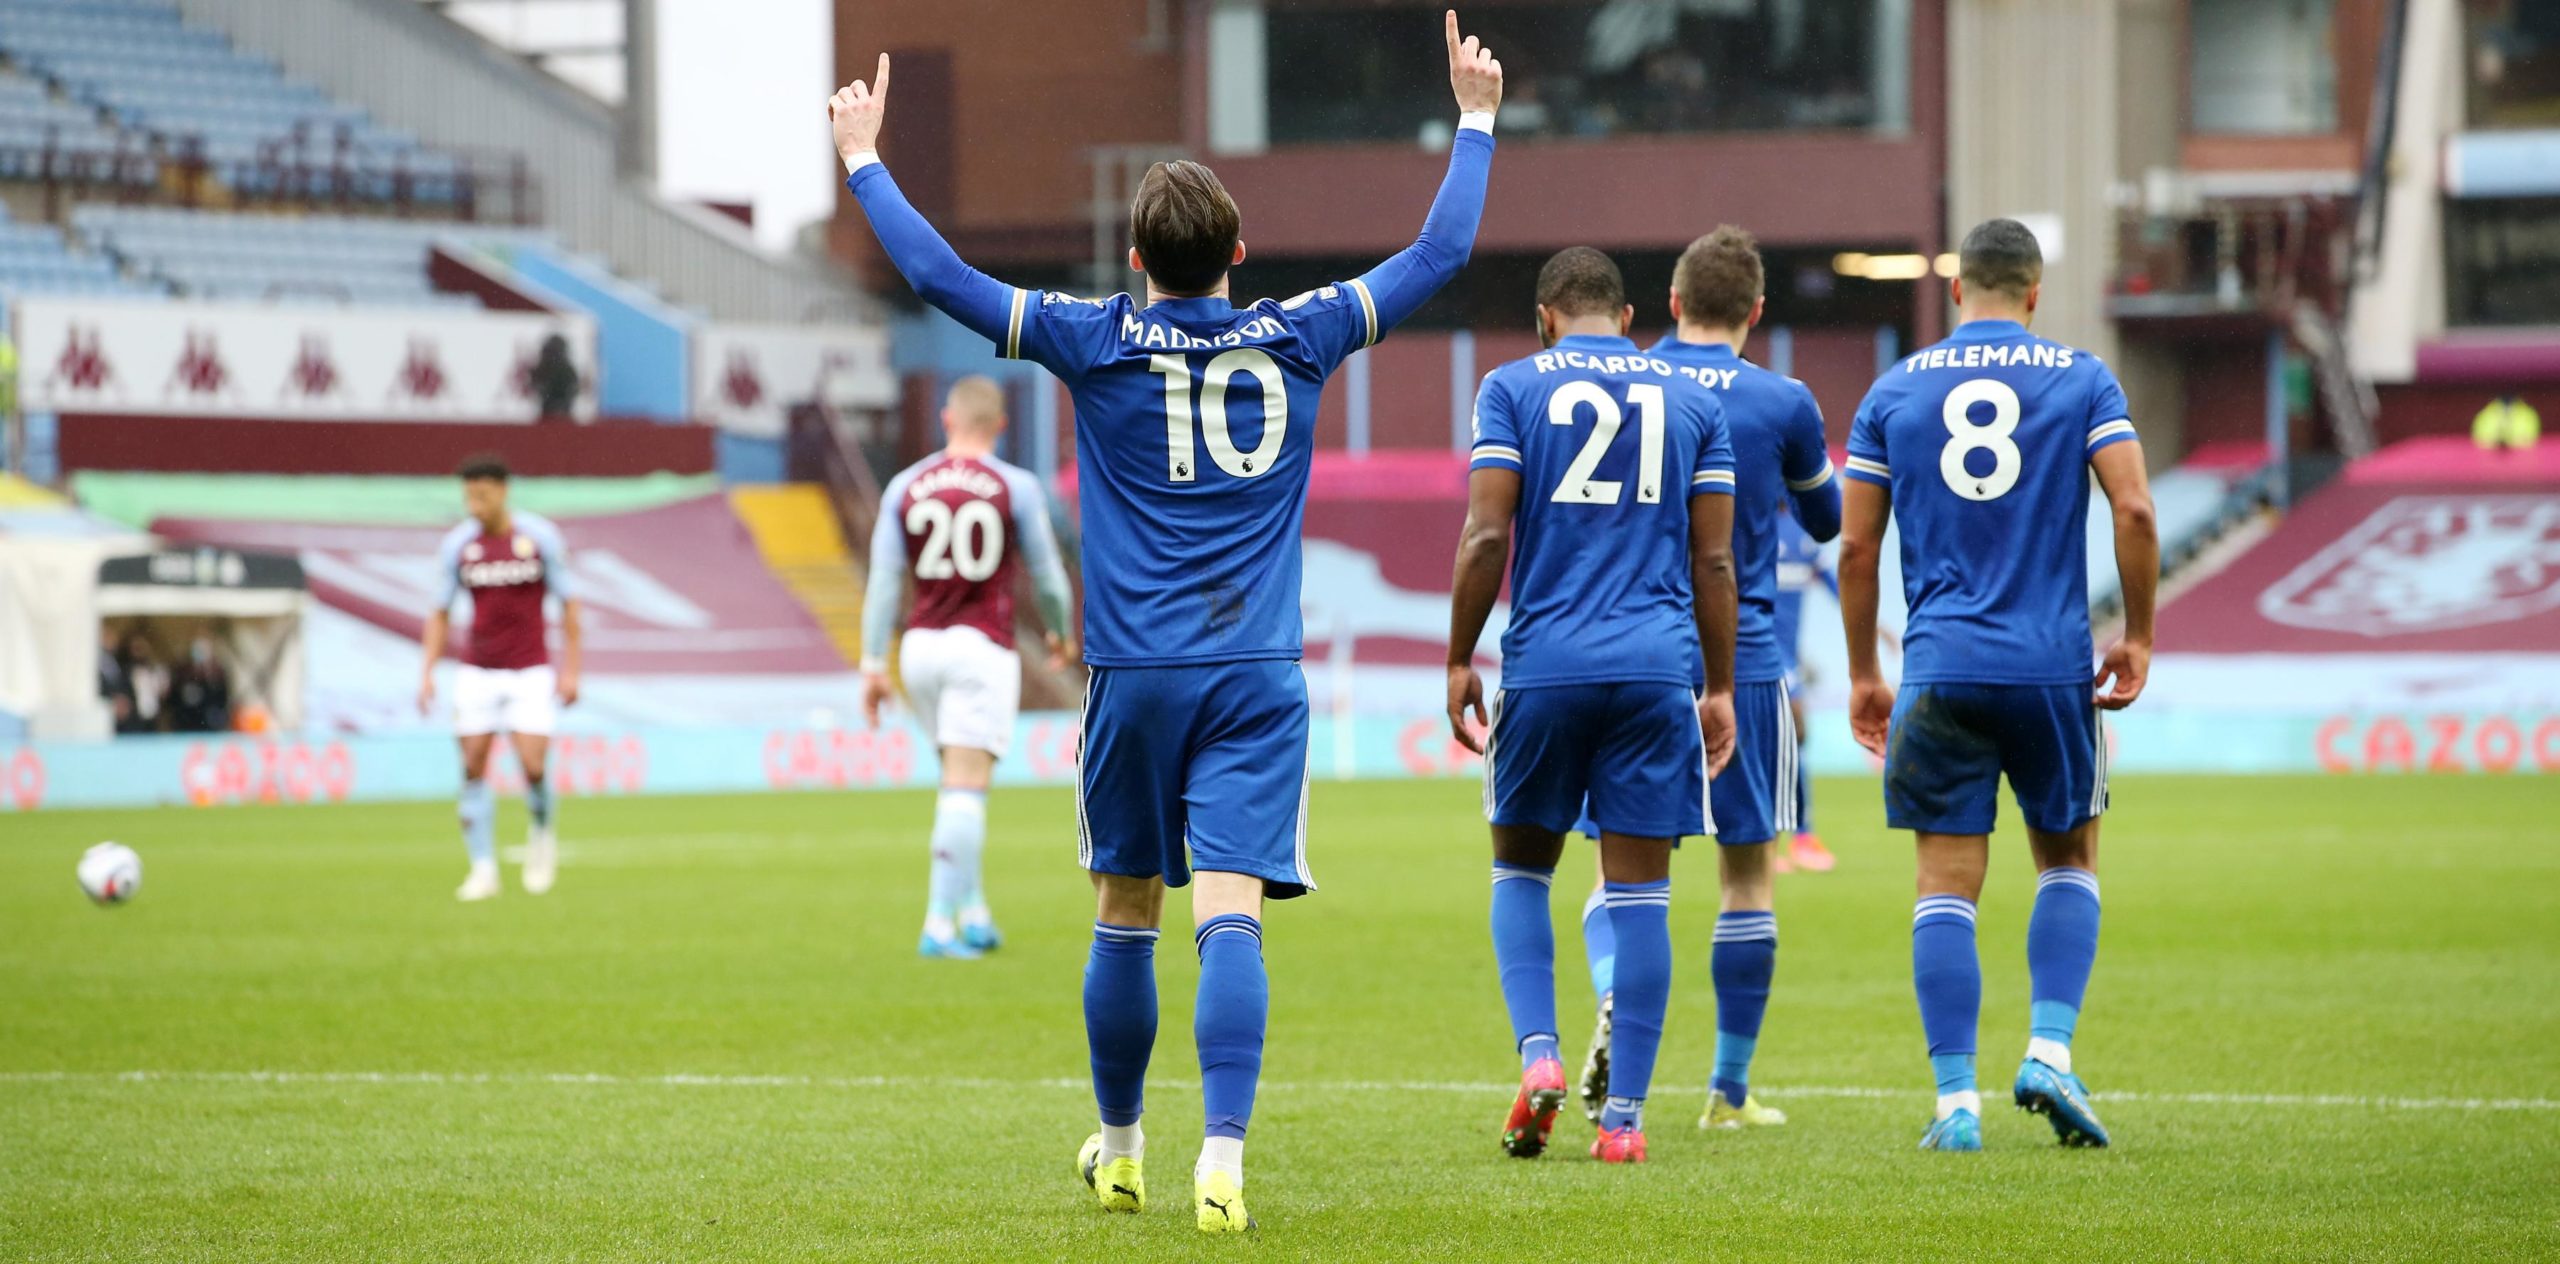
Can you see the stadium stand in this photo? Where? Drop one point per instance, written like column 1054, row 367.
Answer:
column 39, row 131
column 188, row 91
column 37, row 259
column 251, row 257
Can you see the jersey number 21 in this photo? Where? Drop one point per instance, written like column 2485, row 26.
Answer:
column 1578, row 487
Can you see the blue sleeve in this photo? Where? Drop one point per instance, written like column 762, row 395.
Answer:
column 1805, row 460
column 1867, row 462
column 1040, row 555
column 885, row 588
column 1497, row 440
column 449, row 568
column 987, row 306
column 2110, row 417
column 1398, row 287
column 554, row 549
column 1714, row 472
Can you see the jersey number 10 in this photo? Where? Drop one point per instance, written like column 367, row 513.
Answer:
column 1578, row 487
column 1181, row 465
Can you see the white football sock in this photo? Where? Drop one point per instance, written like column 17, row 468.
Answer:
column 2052, row 1053
column 1221, row 1154
column 1123, row 1141
column 1950, row 1103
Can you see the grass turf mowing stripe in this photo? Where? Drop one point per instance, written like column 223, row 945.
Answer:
column 680, row 1080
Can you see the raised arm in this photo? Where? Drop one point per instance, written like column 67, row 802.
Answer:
column 1406, row 280
column 969, row 296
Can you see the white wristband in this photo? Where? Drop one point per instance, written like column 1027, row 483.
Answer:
column 854, row 163
column 1479, row 120
column 870, row 665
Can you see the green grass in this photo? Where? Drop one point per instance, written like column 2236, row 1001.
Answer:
column 2366, row 938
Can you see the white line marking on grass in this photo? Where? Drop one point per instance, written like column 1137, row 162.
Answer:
column 1488, row 1088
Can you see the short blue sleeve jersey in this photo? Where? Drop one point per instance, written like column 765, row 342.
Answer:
column 1610, row 443
column 1195, row 425
column 1778, row 450
column 1984, row 442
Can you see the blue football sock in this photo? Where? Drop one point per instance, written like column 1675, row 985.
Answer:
column 2062, row 944
column 1120, row 1018
column 1640, row 913
column 1524, row 951
column 537, row 801
column 1804, row 798
column 1227, row 1022
column 1947, row 974
column 1744, row 960
column 479, row 810
column 1599, row 944
column 959, row 838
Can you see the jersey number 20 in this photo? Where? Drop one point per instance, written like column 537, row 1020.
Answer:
column 1578, row 487
column 968, row 541
column 1180, row 463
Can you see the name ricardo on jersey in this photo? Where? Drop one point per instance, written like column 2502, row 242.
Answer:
column 968, row 478
column 1551, row 361
column 1992, row 355
column 502, row 573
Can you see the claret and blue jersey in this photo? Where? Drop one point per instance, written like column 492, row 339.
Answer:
column 1984, row 442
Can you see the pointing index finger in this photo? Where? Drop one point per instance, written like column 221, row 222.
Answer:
column 880, row 85
column 1451, row 26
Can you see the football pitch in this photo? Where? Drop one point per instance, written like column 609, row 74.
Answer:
column 2325, row 1024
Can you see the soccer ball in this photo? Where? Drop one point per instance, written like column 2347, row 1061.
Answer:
column 111, row 873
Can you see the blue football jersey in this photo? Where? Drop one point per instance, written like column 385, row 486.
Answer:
column 1610, row 442
column 1778, row 448
column 1984, row 443
column 1195, row 422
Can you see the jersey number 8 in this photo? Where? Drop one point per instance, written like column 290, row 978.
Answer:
column 1993, row 437
column 968, row 541
column 1578, row 487
column 1180, row 464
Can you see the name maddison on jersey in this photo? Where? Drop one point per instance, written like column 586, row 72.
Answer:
column 968, row 478
column 1140, row 333
column 1992, row 355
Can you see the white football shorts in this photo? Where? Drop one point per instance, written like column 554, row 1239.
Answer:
column 493, row 700
column 965, row 688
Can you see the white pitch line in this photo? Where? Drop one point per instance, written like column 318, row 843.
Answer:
column 574, row 1078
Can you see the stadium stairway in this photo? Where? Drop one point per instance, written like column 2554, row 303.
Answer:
column 795, row 530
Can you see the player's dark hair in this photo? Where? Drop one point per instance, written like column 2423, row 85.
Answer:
column 1719, row 278
column 1184, row 226
column 484, row 465
column 2001, row 256
column 1581, row 281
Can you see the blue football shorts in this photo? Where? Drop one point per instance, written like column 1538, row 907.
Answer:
column 1196, row 767
column 1631, row 753
column 1951, row 742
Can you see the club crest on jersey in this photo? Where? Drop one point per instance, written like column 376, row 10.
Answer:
column 2428, row 564
column 524, row 546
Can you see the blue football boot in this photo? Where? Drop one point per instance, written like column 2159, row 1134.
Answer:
column 2063, row 1100
column 1961, row 1131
